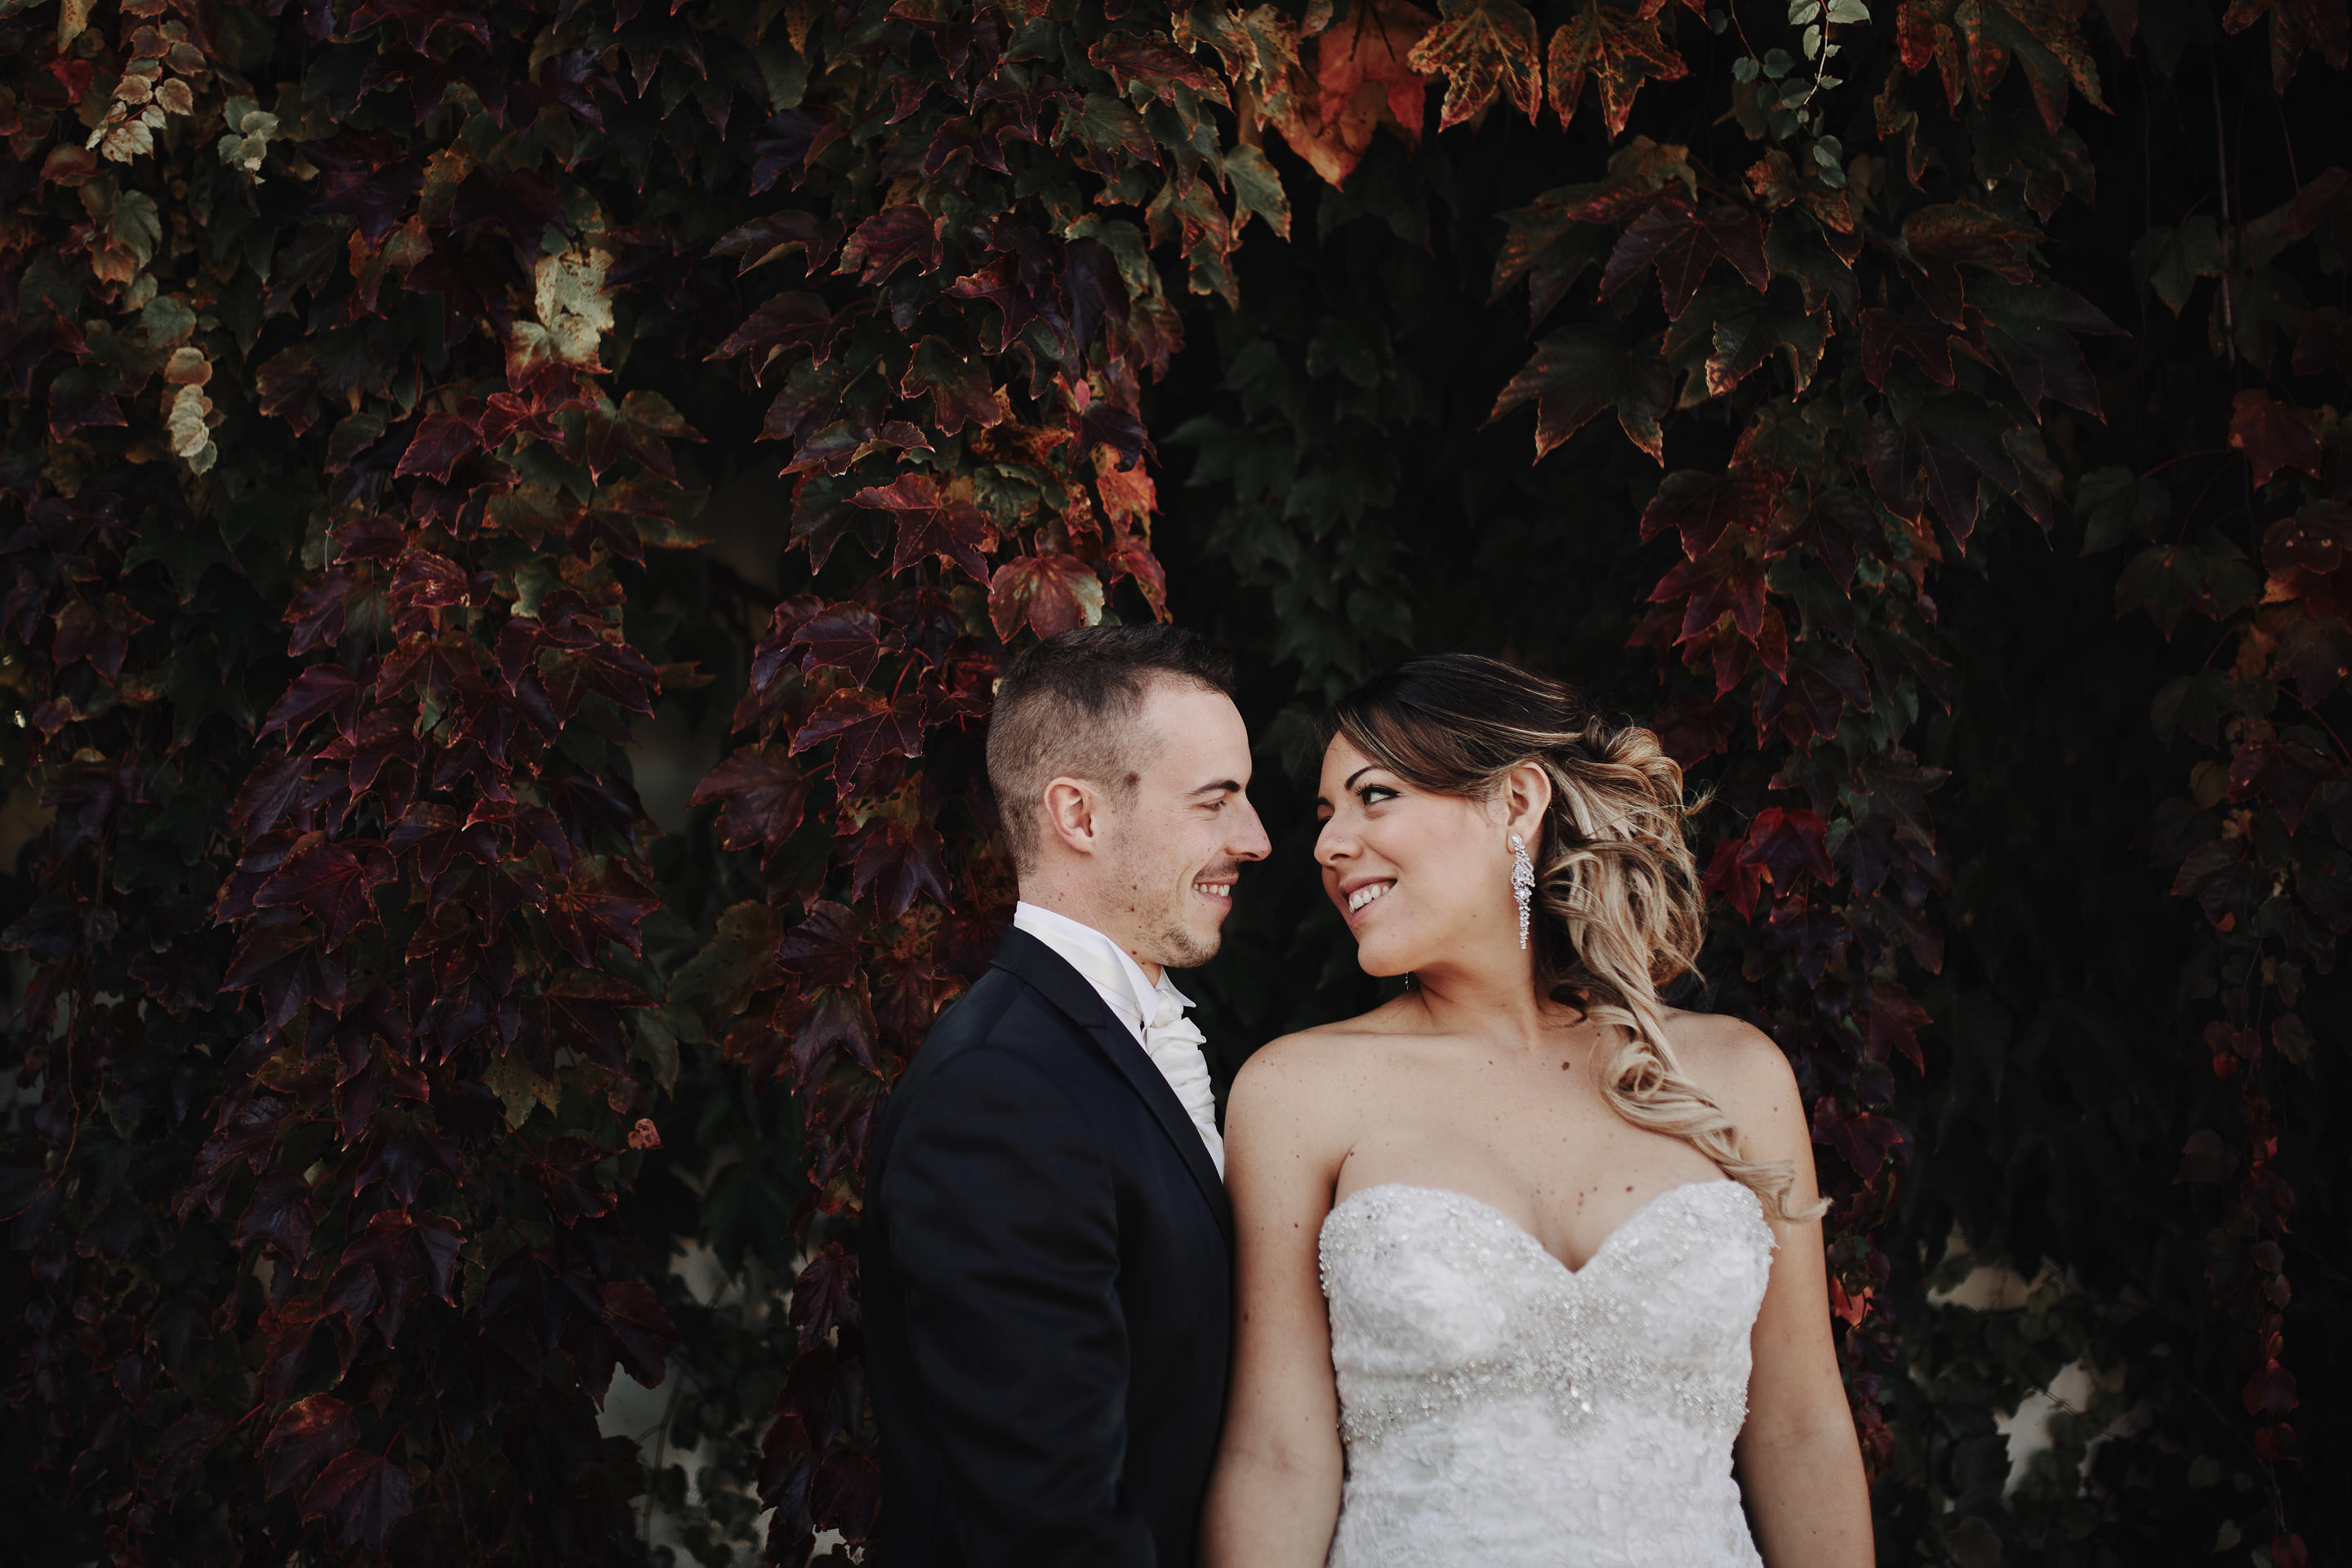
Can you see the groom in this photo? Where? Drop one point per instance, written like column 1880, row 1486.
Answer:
column 1048, row 1251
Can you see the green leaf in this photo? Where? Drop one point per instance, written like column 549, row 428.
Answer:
column 1257, row 188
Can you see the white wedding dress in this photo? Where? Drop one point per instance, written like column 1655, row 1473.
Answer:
column 1501, row 1410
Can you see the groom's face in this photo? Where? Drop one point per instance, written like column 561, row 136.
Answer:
column 1179, row 831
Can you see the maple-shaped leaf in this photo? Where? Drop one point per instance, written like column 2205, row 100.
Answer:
column 826, row 948
column 2285, row 774
column 581, row 1011
column 784, row 324
column 1895, row 1020
column 279, row 1213
column 889, row 240
column 1150, row 60
column 312, row 1432
column 1618, row 50
column 1701, row 506
column 321, row 692
column 1927, row 341
column 1786, row 845
column 1482, row 47
column 863, row 726
column 932, row 523
column 898, row 861
column 2274, row 435
column 363, row 1496
column 642, row 427
column 1728, row 876
column 2033, row 330
column 958, row 387
column 825, row 1296
column 642, row 1332
column 1051, row 592
column 764, row 239
column 1362, row 81
column 1822, row 682
column 1947, row 236
column 2296, row 25
column 1726, row 578
column 597, row 905
column 331, row 885
column 845, row 637
column 1680, row 240
column 760, row 791
column 1749, row 330
column 1583, row 368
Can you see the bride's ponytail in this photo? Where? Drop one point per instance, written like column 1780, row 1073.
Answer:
column 1618, row 905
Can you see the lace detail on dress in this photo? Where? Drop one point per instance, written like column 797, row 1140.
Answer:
column 1503, row 1409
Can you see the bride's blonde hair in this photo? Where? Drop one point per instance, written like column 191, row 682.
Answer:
column 1619, row 912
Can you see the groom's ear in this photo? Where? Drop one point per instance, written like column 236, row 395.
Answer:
column 1069, row 815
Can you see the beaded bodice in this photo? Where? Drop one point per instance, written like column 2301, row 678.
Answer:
column 1501, row 1409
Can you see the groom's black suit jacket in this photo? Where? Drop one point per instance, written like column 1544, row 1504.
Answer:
column 1047, row 1281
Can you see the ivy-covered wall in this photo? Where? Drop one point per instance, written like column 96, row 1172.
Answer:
column 427, row 423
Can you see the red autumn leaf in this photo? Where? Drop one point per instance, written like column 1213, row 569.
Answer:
column 1731, row 875
column 435, row 836
column 1896, row 1021
column 278, row 1214
column 825, row 1296
column 2274, row 435
column 958, row 387
column 1680, row 241
column 1786, row 845
column 1886, row 333
column 324, row 690
column 363, row 1496
column 863, row 726
column 1725, row 579
column 1814, row 937
column 1864, row 1138
column 845, row 637
column 2285, row 774
column 595, row 905
column 1159, row 66
column 888, row 240
column 1822, row 682
column 1360, row 82
column 1482, row 47
column 826, row 948
column 782, row 323
column 763, row 240
column 581, row 1011
column 1051, row 594
column 1701, row 506
column 312, row 1432
column 331, row 885
column 441, row 441
column 759, row 792
column 931, row 524
column 898, row 861
column 1619, row 51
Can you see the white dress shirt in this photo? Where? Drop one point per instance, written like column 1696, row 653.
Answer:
column 1154, row 1015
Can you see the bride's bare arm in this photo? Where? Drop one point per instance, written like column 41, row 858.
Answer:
column 1274, row 1496
column 1800, row 1464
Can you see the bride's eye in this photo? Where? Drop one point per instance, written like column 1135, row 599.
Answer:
column 1372, row 794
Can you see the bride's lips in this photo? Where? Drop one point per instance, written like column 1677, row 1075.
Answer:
column 1359, row 896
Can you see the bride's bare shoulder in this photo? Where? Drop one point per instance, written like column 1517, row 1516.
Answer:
column 1317, row 1062
column 1739, row 1065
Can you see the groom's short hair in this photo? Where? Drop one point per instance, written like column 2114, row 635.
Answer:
column 1067, row 707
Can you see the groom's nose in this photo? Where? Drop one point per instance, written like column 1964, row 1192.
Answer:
column 1249, row 842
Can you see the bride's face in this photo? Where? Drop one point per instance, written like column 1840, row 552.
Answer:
column 1423, row 878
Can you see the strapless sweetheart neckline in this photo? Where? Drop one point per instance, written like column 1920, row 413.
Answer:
column 1498, row 1407
column 1573, row 1270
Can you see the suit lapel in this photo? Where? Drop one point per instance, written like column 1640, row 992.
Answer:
column 1024, row 956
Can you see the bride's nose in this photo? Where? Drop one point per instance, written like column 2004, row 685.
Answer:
column 1334, row 844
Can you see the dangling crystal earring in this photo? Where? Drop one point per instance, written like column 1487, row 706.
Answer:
column 1523, row 884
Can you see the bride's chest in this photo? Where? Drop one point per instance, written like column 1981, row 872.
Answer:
column 1421, row 1279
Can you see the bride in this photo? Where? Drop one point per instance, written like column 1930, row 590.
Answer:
column 1526, row 1261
